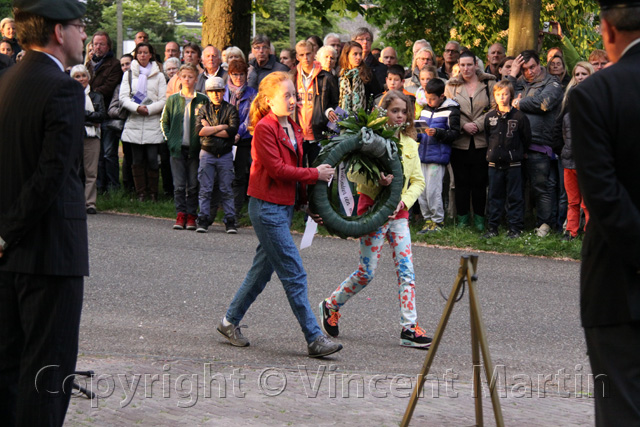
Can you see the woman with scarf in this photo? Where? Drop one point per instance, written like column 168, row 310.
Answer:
column 358, row 87
column 145, row 101
column 94, row 115
column 240, row 95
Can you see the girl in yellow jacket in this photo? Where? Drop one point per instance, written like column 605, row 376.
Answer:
column 396, row 231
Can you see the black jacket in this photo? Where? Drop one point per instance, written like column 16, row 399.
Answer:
column 257, row 73
column 99, row 114
column 42, row 206
column 378, row 69
column 227, row 115
column 508, row 137
column 106, row 78
column 604, row 122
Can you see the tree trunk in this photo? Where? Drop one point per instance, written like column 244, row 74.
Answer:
column 524, row 21
column 227, row 23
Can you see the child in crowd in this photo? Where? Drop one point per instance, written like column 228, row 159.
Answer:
column 217, row 125
column 179, row 128
column 395, row 81
column 426, row 73
column 508, row 136
column 275, row 175
column 396, row 231
column 442, row 117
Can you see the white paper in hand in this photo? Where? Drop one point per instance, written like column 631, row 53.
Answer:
column 309, row 231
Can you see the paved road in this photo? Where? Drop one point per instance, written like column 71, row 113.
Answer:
column 155, row 296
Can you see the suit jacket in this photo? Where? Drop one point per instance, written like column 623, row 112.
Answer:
column 378, row 69
column 606, row 148
column 42, row 207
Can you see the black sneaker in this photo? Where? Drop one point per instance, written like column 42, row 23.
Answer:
column 514, row 234
column 330, row 319
column 491, row 232
column 567, row 237
column 414, row 337
column 231, row 227
column 202, row 225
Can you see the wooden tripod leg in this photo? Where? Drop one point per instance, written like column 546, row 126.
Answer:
column 475, row 356
column 482, row 338
column 462, row 271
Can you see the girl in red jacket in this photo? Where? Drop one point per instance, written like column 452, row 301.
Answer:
column 274, row 186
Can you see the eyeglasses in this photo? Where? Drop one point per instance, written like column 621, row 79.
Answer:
column 81, row 27
column 450, row 51
column 363, row 39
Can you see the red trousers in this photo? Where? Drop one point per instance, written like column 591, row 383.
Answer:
column 575, row 202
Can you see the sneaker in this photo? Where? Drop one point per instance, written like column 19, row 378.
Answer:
column 491, row 232
column 567, row 237
column 436, row 227
column 231, row 227
column 323, row 346
column 181, row 221
column 543, row 230
column 414, row 337
column 202, row 225
column 427, row 227
column 513, row 234
column 330, row 319
column 233, row 334
column 191, row 222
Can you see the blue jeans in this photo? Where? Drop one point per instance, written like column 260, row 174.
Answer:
column 216, row 169
column 185, row 182
column 538, row 169
column 505, row 186
column 278, row 252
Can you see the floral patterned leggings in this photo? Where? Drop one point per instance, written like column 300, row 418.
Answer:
column 399, row 237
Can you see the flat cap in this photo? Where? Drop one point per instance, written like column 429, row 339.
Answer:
column 214, row 83
column 56, row 10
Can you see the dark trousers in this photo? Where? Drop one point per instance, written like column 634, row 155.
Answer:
column 470, row 175
column 505, row 186
column 39, row 324
column 108, row 166
column 165, row 169
column 127, row 161
column 145, row 152
column 310, row 150
column 241, row 166
column 613, row 353
column 541, row 181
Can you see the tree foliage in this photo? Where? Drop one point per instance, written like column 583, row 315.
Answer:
column 272, row 19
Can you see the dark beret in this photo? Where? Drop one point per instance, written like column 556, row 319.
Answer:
column 56, row 10
column 614, row 4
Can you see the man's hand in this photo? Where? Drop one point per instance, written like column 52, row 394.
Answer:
column 470, row 128
column 516, row 102
column 516, row 65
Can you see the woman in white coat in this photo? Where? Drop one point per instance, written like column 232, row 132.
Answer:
column 144, row 101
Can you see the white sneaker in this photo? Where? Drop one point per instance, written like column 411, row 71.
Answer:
column 543, row 230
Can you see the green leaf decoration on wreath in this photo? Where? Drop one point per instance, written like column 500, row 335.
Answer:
column 367, row 146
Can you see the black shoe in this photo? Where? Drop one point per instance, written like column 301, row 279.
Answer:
column 330, row 319
column 513, row 234
column 91, row 211
column 414, row 337
column 202, row 225
column 231, row 227
column 567, row 237
column 491, row 232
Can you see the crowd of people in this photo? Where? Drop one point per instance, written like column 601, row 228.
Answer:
column 472, row 172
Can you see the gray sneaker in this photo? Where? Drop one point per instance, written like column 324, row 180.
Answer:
column 323, row 346
column 233, row 334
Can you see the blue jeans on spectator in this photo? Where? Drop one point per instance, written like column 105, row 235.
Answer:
column 216, row 169
column 538, row 169
column 505, row 186
column 276, row 252
column 185, row 182
column 110, row 165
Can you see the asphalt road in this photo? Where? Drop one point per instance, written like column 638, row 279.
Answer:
column 157, row 292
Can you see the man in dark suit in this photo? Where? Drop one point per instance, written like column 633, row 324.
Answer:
column 604, row 112
column 364, row 36
column 43, row 226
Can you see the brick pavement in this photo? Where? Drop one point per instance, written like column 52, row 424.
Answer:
column 148, row 391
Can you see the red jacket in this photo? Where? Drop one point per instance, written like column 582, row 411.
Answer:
column 275, row 169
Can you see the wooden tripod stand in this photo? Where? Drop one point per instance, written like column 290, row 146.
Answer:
column 466, row 273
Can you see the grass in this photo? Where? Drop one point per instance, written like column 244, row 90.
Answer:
column 450, row 236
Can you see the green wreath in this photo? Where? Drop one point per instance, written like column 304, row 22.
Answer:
column 361, row 156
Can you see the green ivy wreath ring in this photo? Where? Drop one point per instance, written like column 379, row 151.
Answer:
column 385, row 203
